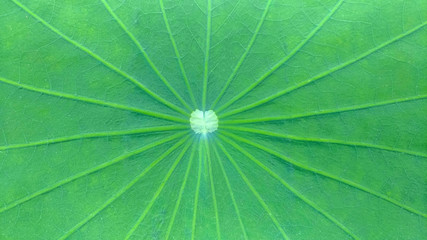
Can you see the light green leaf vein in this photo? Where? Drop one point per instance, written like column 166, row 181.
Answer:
column 197, row 193
column 289, row 187
column 325, row 140
column 243, row 57
column 178, row 56
column 208, row 154
column 230, row 190
column 93, row 135
column 285, row 59
column 181, row 193
column 100, row 59
column 122, row 190
column 150, row 62
column 327, row 111
column 207, row 49
column 328, row 175
column 89, row 171
column 159, row 190
column 254, row 191
column 324, row 74
column 92, row 101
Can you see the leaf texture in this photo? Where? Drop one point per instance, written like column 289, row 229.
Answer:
column 321, row 105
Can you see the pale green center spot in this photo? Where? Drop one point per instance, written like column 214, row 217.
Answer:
column 203, row 122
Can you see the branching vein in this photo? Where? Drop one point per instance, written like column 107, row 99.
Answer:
column 211, row 177
column 196, row 194
column 92, row 135
column 122, row 190
column 150, row 62
column 328, row 111
column 93, row 101
column 324, row 74
column 88, row 172
column 178, row 56
column 326, row 174
column 289, row 187
column 285, row 59
column 207, row 49
column 325, row 140
column 157, row 193
column 230, row 190
column 181, row 193
column 100, row 59
column 254, row 192
column 243, row 57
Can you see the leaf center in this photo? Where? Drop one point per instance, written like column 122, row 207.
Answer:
column 203, row 122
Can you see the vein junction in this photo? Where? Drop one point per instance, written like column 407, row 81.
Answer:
column 203, row 122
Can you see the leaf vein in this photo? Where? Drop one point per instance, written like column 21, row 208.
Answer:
column 207, row 49
column 145, row 54
column 178, row 56
column 208, row 154
column 328, row 111
column 196, row 194
column 290, row 188
column 121, row 191
column 254, row 191
column 91, row 135
column 325, row 140
column 181, row 193
column 328, row 175
column 233, row 200
column 93, row 101
column 157, row 193
column 244, row 55
column 100, row 59
column 87, row 172
column 285, row 59
column 324, row 74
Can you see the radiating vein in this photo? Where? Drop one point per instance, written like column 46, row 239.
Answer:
column 100, row 59
column 325, row 140
column 227, row 19
column 324, row 74
column 211, row 177
column 92, row 101
column 89, row 171
column 285, row 59
column 150, row 62
column 178, row 56
column 326, row 174
column 159, row 190
column 254, row 191
column 230, row 190
column 328, row 111
column 207, row 49
column 244, row 55
column 93, row 135
column 123, row 190
column 181, row 193
column 196, row 194
column 289, row 187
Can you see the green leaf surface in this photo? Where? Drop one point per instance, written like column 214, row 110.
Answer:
column 321, row 105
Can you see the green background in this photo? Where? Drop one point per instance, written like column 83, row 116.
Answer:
column 322, row 119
